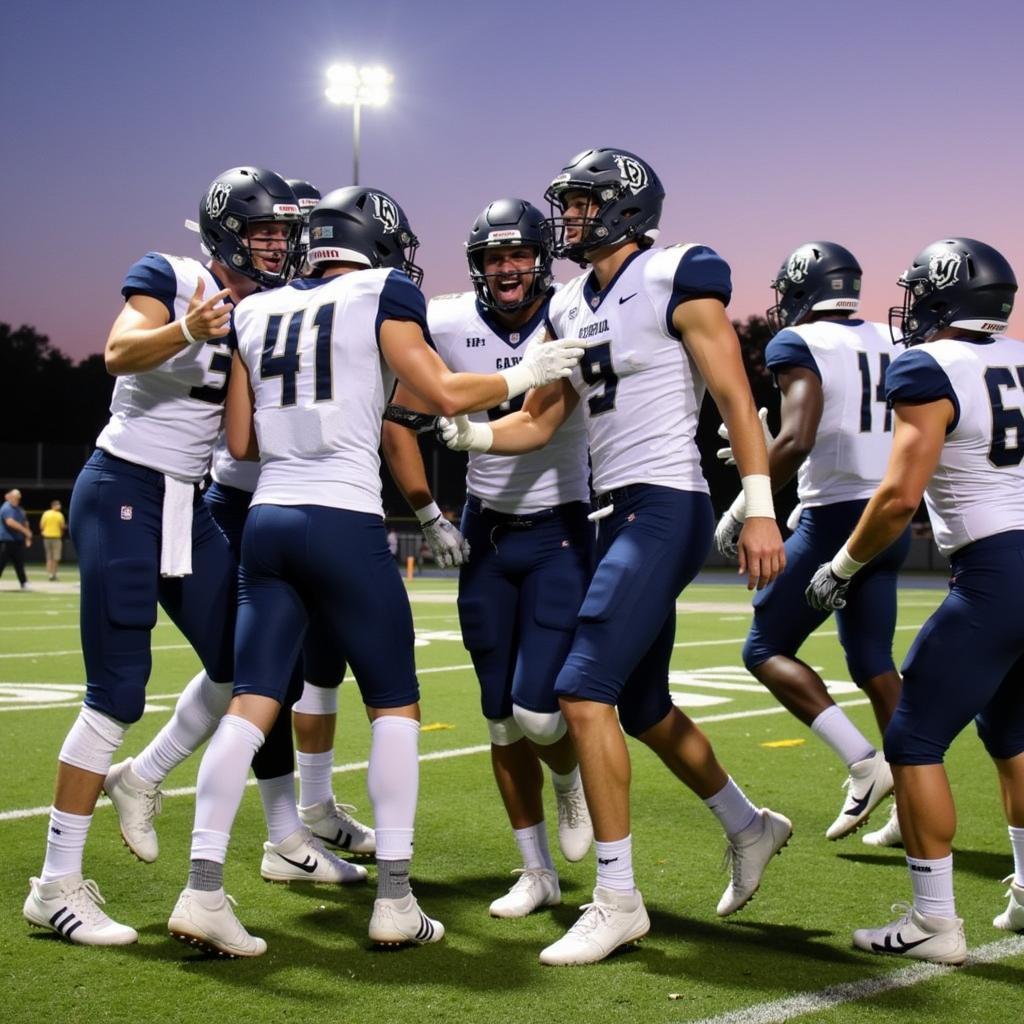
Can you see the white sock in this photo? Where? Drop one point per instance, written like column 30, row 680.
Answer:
column 65, row 841
column 278, row 796
column 317, row 700
column 932, row 882
column 393, row 781
column 615, row 864
column 566, row 782
column 732, row 808
column 315, row 782
column 533, row 846
column 842, row 735
column 92, row 741
column 221, row 784
column 1017, row 842
column 199, row 709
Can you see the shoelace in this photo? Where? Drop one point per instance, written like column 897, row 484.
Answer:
column 569, row 806
column 526, row 877
column 86, row 900
column 594, row 915
column 152, row 803
column 903, row 908
column 345, row 812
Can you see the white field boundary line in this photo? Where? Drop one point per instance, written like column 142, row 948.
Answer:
column 679, row 644
column 829, row 998
column 440, row 755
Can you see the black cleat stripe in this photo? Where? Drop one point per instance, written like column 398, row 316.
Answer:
column 72, row 929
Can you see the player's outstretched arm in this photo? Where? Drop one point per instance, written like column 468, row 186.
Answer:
column 238, row 413
column 143, row 336
column 711, row 341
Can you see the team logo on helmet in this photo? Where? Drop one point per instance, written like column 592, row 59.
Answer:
column 385, row 211
column 632, row 172
column 796, row 268
column 217, row 198
column 944, row 269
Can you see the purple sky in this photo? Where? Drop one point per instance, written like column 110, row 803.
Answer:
column 881, row 125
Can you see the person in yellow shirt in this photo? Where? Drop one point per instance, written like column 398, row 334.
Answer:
column 53, row 526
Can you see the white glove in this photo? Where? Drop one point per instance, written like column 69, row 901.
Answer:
column 727, row 535
column 447, row 545
column 827, row 592
column 725, row 454
column 462, row 435
column 543, row 362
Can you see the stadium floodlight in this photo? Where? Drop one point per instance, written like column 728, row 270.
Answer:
column 354, row 87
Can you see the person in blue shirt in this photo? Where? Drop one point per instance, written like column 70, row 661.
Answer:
column 15, row 534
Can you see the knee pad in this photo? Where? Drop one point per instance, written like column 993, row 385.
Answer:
column 1000, row 742
column 504, row 731
column 542, row 727
column 903, row 743
column 317, row 700
column 636, row 717
column 92, row 742
column 214, row 697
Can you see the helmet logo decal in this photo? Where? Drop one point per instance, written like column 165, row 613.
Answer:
column 632, row 172
column 385, row 211
column 796, row 268
column 217, row 198
column 944, row 269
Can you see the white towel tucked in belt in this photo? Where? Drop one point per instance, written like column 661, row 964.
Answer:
column 176, row 526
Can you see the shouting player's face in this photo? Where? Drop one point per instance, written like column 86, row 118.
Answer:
column 268, row 243
column 510, row 272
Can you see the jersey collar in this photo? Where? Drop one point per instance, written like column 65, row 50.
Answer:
column 513, row 337
column 594, row 296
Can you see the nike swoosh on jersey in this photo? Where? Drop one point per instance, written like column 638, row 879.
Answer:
column 304, row 866
column 626, row 298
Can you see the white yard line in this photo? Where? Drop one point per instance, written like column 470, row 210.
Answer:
column 829, row 998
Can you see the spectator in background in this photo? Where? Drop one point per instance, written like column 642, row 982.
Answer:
column 393, row 543
column 53, row 526
column 14, row 533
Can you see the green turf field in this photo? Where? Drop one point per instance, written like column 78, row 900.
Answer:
column 792, row 941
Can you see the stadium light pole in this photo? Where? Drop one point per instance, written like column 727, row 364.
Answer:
column 354, row 87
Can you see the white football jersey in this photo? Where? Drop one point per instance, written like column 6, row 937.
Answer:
column 854, row 437
column 471, row 340
column 168, row 418
column 242, row 474
column 321, row 385
column 640, row 391
column 978, row 488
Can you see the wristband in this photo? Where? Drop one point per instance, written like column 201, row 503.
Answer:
column 738, row 509
column 183, row 324
column 518, row 379
column 844, row 565
column 757, row 492
column 428, row 513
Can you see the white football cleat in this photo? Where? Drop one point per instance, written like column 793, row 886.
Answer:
column 888, row 835
column 748, row 858
column 137, row 803
column 302, row 857
column 70, row 906
column 575, row 832
column 614, row 919
column 868, row 784
column 535, row 887
column 334, row 824
column 1012, row 918
column 401, row 922
column 207, row 921
column 939, row 940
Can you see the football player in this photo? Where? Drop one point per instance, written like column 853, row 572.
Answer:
column 958, row 439
column 143, row 535
column 526, row 522
column 315, row 363
column 836, row 431
column 655, row 329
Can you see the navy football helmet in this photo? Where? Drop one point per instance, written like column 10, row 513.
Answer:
column 237, row 199
column 816, row 277
column 957, row 282
column 628, row 196
column 306, row 195
column 362, row 225
column 509, row 223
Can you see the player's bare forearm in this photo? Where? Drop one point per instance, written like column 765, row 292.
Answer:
column 401, row 450
column 134, row 348
column 802, row 404
column 544, row 411
column 238, row 414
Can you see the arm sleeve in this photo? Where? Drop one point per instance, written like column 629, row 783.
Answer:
column 914, row 376
column 400, row 299
column 152, row 276
column 788, row 349
column 700, row 274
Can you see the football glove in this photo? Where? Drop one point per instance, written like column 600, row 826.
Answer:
column 727, row 535
column 446, row 544
column 827, row 592
column 462, row 435
column 726, row 455
column 543, row 362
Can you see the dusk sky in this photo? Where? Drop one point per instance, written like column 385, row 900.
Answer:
column 880, row 125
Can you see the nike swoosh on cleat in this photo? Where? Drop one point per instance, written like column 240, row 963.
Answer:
column 899, row 946
column 304, row 866
column 857, row 807
column 626, row 298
